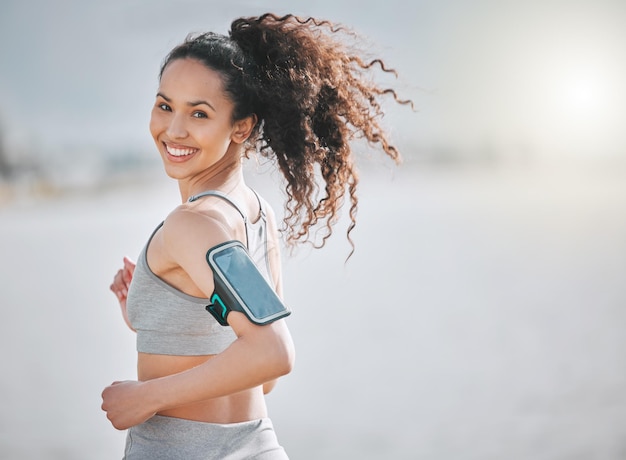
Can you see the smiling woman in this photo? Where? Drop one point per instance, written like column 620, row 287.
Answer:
column 290, row 89
column 192, row 115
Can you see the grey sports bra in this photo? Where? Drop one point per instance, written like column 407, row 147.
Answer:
column 170, row 322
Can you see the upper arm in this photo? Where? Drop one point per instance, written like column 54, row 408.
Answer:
column 187, row 237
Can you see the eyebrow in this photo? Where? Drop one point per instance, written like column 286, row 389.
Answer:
column 191, row 103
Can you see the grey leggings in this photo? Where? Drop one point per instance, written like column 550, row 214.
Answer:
column 169, row 438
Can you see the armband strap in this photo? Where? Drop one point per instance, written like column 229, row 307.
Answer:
column 240, row 286
column 218, row 309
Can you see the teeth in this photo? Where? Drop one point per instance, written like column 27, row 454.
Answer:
column 179, row 152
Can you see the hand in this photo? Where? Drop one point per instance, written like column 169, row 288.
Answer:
column 125, row 404
column 121, row 283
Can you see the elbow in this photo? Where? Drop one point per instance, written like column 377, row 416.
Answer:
column 283, row 356
column 270, row 350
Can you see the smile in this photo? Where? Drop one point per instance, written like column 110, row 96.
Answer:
column 178, row 151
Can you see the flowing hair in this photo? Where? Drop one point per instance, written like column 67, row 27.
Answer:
column 312, row 95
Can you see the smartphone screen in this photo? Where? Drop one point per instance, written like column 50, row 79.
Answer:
column 244, row 278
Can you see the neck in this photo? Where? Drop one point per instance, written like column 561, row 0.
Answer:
column 225, row 177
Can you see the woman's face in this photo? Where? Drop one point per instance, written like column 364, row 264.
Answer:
column 191, row 120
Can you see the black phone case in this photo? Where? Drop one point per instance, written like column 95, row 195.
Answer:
column 223, row 300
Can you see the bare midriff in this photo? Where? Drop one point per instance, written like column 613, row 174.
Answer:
column 238, row 407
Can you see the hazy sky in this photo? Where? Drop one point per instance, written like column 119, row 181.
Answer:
column 541, row 75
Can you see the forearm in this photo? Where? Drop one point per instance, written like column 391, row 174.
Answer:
column 244, row 365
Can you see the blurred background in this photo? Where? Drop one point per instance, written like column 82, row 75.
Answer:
column 482, row 314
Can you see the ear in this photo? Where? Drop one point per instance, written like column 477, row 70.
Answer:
column 242, row 129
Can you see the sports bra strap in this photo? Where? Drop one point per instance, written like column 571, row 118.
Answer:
column 221, row 195
column 229, row 200
column 261, row 208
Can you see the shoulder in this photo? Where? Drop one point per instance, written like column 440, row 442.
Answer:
column 185, row 237
column 188, row 228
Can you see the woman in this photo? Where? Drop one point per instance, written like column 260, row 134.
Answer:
column 289, row 89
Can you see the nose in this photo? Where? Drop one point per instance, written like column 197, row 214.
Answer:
column 177, row 128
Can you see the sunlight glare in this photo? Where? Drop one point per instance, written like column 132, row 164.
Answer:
column 583, row 93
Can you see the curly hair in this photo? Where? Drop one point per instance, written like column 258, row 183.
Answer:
column 312, row 97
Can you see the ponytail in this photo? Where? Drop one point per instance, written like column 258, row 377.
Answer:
column 311, row 97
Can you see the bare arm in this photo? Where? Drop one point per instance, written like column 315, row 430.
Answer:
column 260, row 354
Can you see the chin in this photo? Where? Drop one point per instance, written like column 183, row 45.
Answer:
column 173, row 172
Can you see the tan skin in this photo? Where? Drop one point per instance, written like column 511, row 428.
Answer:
column 201, row 147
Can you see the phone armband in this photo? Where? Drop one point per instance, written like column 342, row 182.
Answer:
column 240, row 286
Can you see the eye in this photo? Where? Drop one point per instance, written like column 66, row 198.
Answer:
column 163, row 106
column 199, row 115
